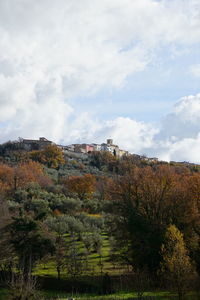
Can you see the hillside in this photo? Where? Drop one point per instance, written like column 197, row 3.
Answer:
column 97, row 222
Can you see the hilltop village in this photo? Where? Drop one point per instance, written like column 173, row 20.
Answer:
column 29, row 145
column 78, row 150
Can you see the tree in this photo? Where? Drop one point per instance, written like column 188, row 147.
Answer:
column 176, row 265
column 6, row 254
column 140, row 204
column 30, row 172
column 30, row 242
column 23, row 287
column 12, row 178
column 51, row 156
column 60, row 227
column 6, row 178
column 141, row 282
column 103, row 186
column 82, row 186
column 103, row 160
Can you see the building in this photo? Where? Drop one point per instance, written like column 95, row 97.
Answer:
column 69, row 148
column 29, row 145
column 83, row 148
column 110, row 147
column 122, row 153
column 97, row 147
column 88, row 148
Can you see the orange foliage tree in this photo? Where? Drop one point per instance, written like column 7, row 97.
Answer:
column 30, row 172
column 20, row 175
column 82, row 186
column 6, row 178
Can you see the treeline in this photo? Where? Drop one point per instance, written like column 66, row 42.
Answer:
column 150, row 214
column 155, row 222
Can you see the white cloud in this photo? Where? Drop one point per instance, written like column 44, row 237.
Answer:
column 179, row 136
column 53, row 51
column 176, row 137
column 185, row 150
column 130, row 134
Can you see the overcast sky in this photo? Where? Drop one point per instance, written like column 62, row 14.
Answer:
column 87, row 70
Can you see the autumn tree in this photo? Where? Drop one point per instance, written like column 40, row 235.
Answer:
column 51, row 156
column 6, row 178
column 176, row 265
column 18, row 176
column 141, row 209
column 30, row 172
column 82, row 186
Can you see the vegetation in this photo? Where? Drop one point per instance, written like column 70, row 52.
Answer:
column 51, row 156
column 98, row 225
column 176, row 264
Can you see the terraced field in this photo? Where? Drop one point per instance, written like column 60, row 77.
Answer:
column 97, row 264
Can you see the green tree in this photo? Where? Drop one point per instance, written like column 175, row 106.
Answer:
column 59, row 226
column 176, row 265
column 103, row 160
column 30, row 242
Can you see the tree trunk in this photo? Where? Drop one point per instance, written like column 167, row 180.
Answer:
column 58, row 271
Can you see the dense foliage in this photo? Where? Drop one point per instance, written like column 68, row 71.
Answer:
column 58, row 211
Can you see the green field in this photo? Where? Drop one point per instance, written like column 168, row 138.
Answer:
column 119, row 296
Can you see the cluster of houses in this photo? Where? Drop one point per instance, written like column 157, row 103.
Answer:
column 88, row 148
column 42, row 143
column 81, row 149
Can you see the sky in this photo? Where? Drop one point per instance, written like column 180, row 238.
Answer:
column 77, row 71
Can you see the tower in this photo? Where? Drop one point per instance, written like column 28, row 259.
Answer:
column 109, row 142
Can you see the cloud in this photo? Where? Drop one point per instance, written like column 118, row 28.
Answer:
column 186, row 149
column 56, row 51
column 184, row 121
column 176, row 137
column 128, row 133
column 179, row 135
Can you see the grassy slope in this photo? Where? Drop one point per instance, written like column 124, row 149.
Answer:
column 49, row 268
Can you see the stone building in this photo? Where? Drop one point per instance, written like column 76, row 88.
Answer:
column 29, row 145
column 110, row 147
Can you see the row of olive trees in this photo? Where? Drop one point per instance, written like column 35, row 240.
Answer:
column 37, row 225
column 76, row 237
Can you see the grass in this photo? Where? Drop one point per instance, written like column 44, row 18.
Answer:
column 158, row 295
column 96, row 263
column 162, row 295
